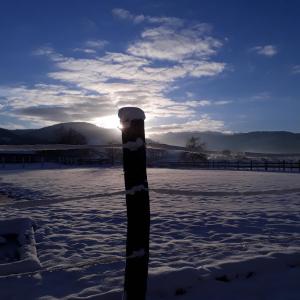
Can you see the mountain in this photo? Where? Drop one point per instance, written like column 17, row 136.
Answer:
column 260, row 141
column 86, row 133
column 8, row 137
column 59, row 133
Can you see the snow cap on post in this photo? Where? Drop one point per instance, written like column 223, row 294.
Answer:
column 127, row 114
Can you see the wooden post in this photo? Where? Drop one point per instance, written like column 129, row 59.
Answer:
column 137, row 202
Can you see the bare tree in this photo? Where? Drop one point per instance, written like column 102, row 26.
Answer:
column 194, row 144
column 195, row 149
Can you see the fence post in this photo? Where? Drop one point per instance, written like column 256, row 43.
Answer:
column 137, row 202
column 112, row 155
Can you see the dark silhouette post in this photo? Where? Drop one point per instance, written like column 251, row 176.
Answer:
column 137, row 202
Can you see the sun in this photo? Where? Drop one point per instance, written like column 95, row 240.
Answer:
column 107, row 122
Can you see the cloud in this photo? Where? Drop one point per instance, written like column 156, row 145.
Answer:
column 83, row 111
column 47, row 51
column 54, row 103
column 267, row 50
column 43, row 51
column 85, row 50
column 171, row 38
column 128, row 68
column 223, row 102
column 124, row 14
column 176, row 42
column 91, row 46
column 205, row 123
column 96, row 44
column 131, row 80
column 261, row 96
column 296, row 69
column 91, row 87
column 197, row 103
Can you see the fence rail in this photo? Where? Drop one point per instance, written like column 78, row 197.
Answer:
column 249, row 165
column 282, row 166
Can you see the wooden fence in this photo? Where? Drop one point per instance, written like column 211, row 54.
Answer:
column 275, row 166
column 251, row 165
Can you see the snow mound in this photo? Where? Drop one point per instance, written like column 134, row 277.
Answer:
column 17, row 238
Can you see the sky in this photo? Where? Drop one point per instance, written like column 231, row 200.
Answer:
column 229, row 66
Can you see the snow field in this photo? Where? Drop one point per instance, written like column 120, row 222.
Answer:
column 204, row 224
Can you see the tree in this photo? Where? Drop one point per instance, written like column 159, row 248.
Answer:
column 195, row 149
column 194, row 144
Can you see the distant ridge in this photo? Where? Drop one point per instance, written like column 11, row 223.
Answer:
column 54, row 134
column 258, row 141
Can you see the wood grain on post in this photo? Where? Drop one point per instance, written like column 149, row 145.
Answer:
column 137, row 202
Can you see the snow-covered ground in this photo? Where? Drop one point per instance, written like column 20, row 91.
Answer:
column 214, row 234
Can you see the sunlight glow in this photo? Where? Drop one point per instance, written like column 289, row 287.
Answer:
column 107, row 122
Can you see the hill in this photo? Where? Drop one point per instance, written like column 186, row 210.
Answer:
column 85, row 133
column 260, row 141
